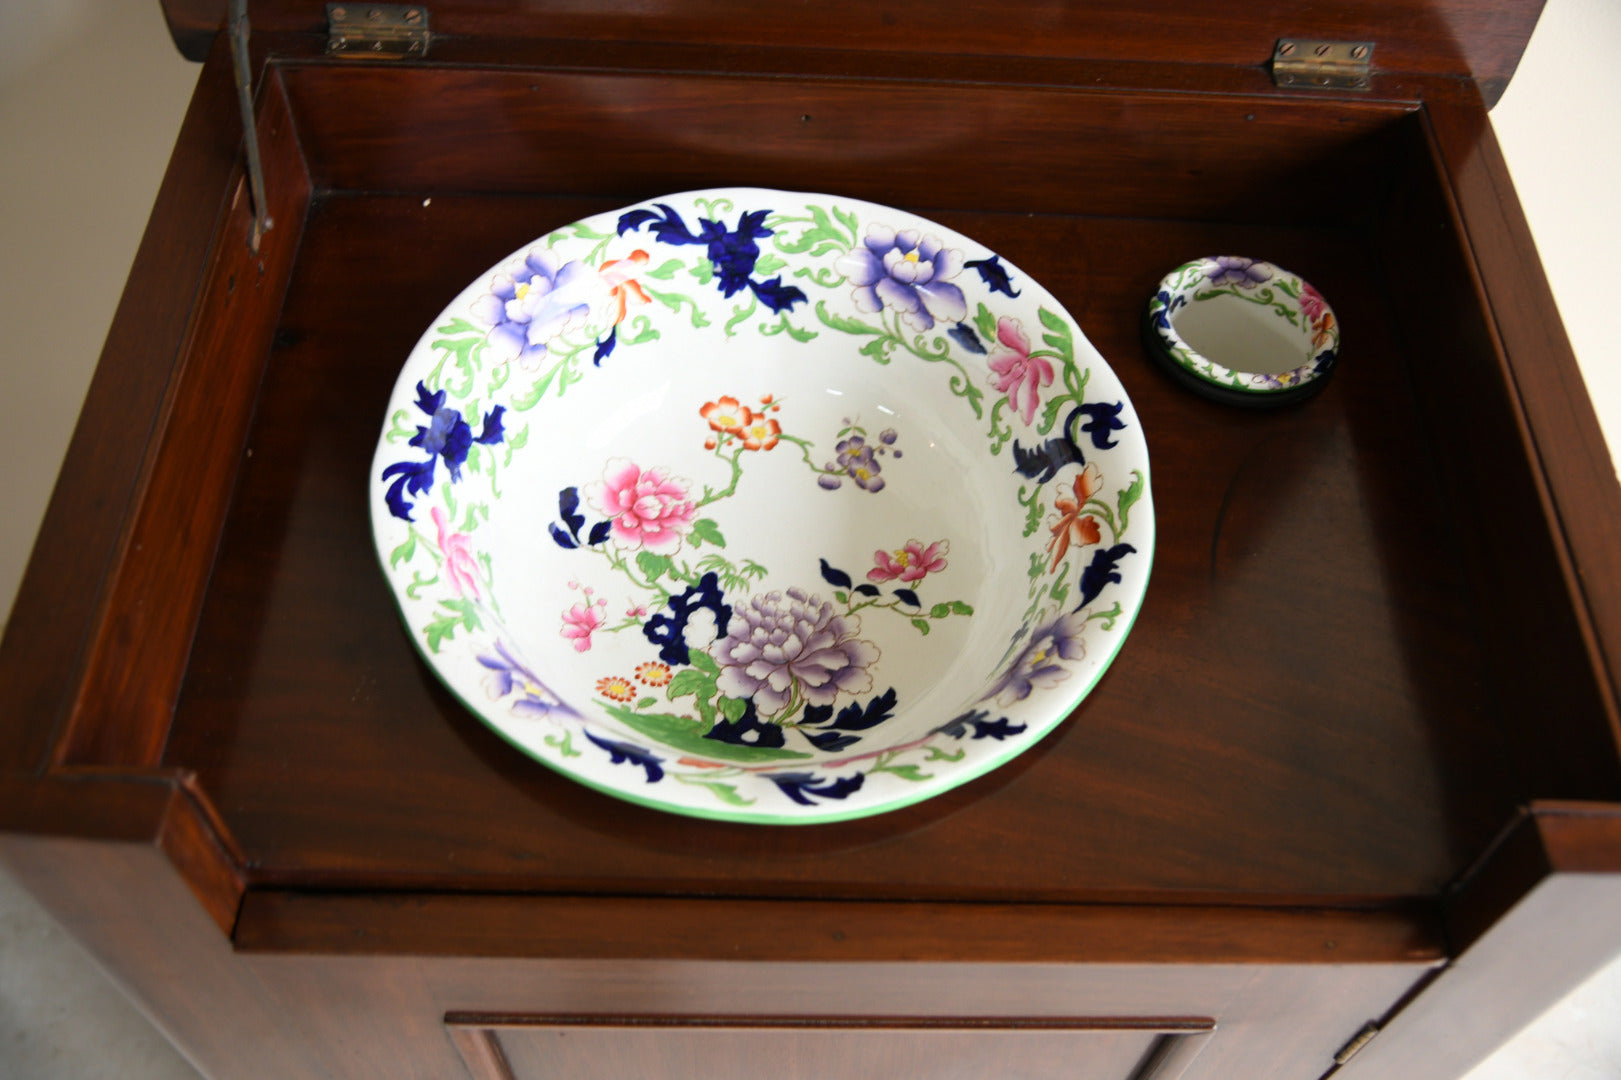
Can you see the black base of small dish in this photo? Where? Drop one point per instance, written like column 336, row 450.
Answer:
column 1226, row 395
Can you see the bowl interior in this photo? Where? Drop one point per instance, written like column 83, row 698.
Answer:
column 1237, row 333
column 764, row 506
column 816, row 560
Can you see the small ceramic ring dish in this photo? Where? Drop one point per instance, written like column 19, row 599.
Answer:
column 1242, row 331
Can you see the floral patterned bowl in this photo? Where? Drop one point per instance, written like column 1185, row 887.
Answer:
column 763, row 506
column 1242, row 331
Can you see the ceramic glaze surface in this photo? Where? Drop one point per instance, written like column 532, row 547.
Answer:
column 1243, row 324
column 763, row 506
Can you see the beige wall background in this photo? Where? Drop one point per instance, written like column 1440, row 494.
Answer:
column 91, row 96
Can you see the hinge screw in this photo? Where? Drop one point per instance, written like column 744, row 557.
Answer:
column 339, row 14
column 1286, row 48
column 413, row 16
column 1359, row 52
column 1322, row 50
column 375, row 15
column 416, row 46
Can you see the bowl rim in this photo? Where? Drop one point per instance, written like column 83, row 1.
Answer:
column 1181, row 287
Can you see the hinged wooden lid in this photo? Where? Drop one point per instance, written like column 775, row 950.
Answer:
column 1482, row 39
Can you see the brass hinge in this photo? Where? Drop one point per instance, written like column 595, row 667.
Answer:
column 1325, row 65
column 377, row 30
column 1358, row 1041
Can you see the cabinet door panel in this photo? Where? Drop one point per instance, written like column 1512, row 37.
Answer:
column 813, row 1048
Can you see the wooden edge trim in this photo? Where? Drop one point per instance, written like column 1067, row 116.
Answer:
column 147, row 616
column 58, row 601
column 1167, row 1025
column 1571, row 464
column 610, row 928
column 1547, row 838
column 161, row 808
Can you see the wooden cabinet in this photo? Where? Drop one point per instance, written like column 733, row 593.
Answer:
column 1358, row 761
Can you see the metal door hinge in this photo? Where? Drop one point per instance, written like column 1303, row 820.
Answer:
column 1358, row 1041
column 377, row 30
column 1325, row 65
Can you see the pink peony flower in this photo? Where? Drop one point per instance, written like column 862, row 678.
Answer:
column 1017, row 374
column 910, row 563
column 581, row 620
column 1311, row 302
column 459, row 561
column 648, row 509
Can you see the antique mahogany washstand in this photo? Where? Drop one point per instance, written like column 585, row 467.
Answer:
column 1349, row 799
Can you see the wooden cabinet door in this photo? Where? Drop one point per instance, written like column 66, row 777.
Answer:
column 813, row 1048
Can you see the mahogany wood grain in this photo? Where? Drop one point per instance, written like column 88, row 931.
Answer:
column 614, row 928
column 138, row 653
column 337, row 758
column 1556, row 418
column 884, row 66
column 1273, row 1022
column 59, row 597
column 623, row 136
column 1480, row 38
column 1528, row 948
column 160, row 808
column 1541, row 657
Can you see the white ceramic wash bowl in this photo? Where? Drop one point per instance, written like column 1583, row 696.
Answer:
column 763, row 506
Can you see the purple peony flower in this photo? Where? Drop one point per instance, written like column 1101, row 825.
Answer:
column 527, row 309
column 507, row 674
column 1236, row 270
column 907, row 272
column 778, row 648
column 1037, row 663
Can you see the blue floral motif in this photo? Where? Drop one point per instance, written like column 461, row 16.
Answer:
column 622, row 753
column 799, row 786
column 906, row 271
column 446, row 436
column 1166, row 305
column 669, row 632
column 732, row 252
column 526, row 309
column 994, row 275
column 1102, row 571
column 1042, row 463
column 746, row 730
column 964, row 335
column 997, row 729
column 835, row 577
column 568, row 508
column 853, row 717
column 1101, row 419
column 605, row 347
